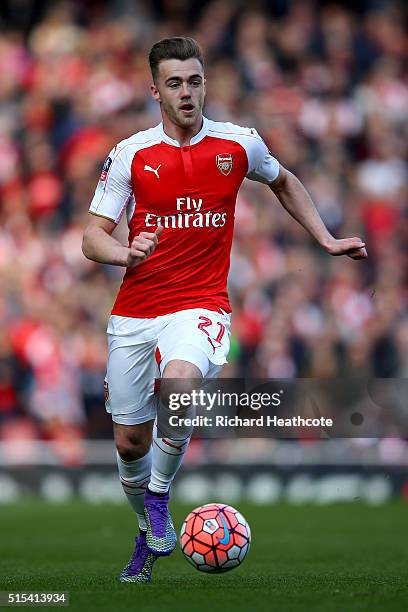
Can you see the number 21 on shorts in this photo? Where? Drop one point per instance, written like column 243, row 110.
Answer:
column 205, row 322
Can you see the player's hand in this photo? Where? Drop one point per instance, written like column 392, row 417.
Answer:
column 143, row 246
column 352, row 247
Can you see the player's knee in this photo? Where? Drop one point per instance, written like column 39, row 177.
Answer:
column 129, row 451
column 132, row 447
column 172, row 390
column 179, row 378
column 179, row 369
column 133, row 441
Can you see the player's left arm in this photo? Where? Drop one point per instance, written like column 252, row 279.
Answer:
column 296, row 200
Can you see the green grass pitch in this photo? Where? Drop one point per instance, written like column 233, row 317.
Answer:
column 308, row 558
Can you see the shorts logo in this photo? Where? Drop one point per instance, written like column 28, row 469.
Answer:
column 106, row 390
column 105, row 169
column 224, row 162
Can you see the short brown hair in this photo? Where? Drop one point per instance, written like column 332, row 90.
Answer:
column 177, row 47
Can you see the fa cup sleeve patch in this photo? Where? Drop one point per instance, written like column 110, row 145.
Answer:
column 105, row 169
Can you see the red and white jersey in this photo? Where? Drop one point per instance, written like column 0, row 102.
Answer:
column 191, row 191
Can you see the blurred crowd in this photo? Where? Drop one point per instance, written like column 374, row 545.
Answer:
column 326, row 86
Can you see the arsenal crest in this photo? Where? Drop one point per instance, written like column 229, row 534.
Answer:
column 225, row 163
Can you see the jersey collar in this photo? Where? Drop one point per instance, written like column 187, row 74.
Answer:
column 199, row 136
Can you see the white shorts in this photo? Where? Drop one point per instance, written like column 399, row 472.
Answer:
column 140, row 349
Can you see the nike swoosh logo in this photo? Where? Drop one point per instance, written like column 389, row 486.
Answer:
column 227, row 536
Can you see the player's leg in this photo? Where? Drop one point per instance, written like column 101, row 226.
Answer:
column 134, row 459
column 130, row 400
column 167, row 456
column 179, row 376
column 192, row 345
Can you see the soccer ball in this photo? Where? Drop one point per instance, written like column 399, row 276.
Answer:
column 215, row 538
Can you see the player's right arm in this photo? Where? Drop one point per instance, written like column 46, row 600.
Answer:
column 99, row 245
column 112, row 195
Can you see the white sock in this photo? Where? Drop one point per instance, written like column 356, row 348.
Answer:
column 167, row 457
column 134, row 476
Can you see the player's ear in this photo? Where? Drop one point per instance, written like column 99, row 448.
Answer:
column 155, row 92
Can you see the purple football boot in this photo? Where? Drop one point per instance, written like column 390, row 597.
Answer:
column 139, row 568
column 161, row 536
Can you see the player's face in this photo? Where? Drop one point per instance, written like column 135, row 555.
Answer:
column 180, row 89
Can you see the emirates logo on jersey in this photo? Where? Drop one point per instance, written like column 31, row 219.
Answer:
column 225, row 163
column 188, row 214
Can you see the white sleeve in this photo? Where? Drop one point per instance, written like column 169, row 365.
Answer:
column 262, row 166
column 114, row 190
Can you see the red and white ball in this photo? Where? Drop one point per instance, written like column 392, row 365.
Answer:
column 215, row 538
